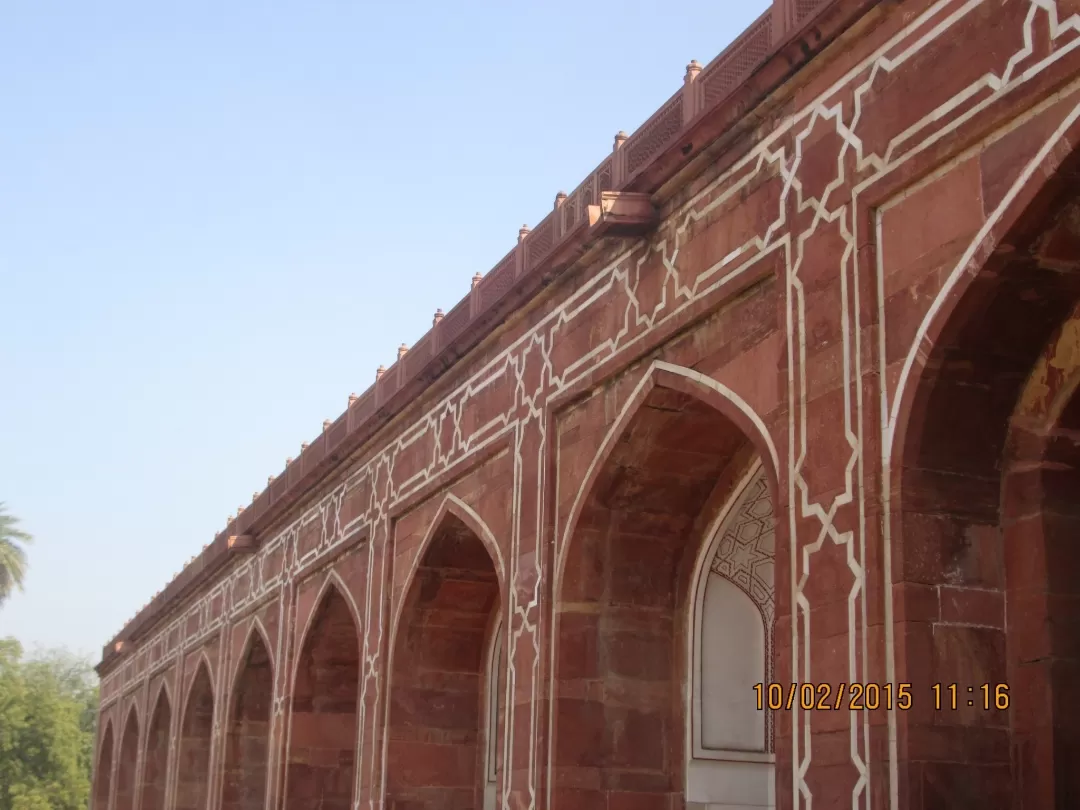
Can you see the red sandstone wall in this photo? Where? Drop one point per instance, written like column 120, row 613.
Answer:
column 799, row 279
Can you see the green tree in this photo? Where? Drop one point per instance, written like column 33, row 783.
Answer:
column 12, row 554
column 48, row 706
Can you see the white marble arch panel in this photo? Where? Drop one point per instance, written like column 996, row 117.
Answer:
column 731, row 763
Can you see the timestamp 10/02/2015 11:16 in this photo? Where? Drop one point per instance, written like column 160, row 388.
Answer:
column 874, row 696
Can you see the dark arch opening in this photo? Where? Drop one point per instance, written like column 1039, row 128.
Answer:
column 127, row 764
column 984, row 507
column 157, row 755
column 103, row 774
column 621, row 611
column 196, row 732
column 322, row 752
column 435, row 759
column 247, row 747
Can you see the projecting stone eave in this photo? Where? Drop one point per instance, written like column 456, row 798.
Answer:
column 718, row 104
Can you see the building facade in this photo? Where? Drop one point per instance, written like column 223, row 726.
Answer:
column 749, row 478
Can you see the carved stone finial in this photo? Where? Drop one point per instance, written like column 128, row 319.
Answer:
column 476, row 280
column 402, row 350
column 303, row 446
column 269, row 480
column 254, row 497
column 692, row 70
column 560, row 198
column 325, row 424
column 352, row 399
column 438, row 317
column 379, row 372
column 288, row 461
column 620, row 139
column 523, row 231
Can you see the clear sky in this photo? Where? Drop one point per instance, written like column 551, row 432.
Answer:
column 218, row 218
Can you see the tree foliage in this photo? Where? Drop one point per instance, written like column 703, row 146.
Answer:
column 12, row 554
column 48, row 708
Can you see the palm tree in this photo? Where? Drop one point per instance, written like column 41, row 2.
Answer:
column 12, row 555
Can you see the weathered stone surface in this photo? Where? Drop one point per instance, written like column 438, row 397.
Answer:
column 851, row 271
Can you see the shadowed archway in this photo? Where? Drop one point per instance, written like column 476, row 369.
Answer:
column 103, row 773
column 155, row 766
column 247, row 746
column 322, row 747
column 988, row 515
column 436, row 757
column 196, row 732
column 127, row 764
column 624, row 601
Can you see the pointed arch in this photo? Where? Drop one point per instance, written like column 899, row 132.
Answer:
column 731, row 608
column 453, row 507
column 624, row 564
column 163, row 688
column 103, row 771
column 256, row 630
column 127, row 766
column 980, row 486
column 435, row 743
column 324, row 721
column 1049, row 167
column 156, row 758
column 204, row 662
column 331, row 582
column 698, row 386
column 196, row 739
column 247, row 741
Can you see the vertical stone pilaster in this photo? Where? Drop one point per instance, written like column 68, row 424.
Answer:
column 526, row 732
column 279, row 713
column 374, row 676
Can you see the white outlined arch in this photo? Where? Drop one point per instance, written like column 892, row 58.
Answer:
column 162, row 687
column 714, row 535
column 977, row 251
column 132, row 713
column 108, row 735
column 331, row 581
column 659, row 374
column 163, row 692
column 203, row 660
column 255, row 629
column 744, row 417
column 450, row 505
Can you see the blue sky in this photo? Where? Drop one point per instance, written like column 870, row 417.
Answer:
column 217, row 219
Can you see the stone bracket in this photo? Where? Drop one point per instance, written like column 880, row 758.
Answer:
column 622, row 213
column 241, row 543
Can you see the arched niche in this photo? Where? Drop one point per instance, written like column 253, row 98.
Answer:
column 439, row 725
column 731, row 648
column 103, row 771
column 623, row 614
column 128, row 764
column 247, row 741
column 156, row 760
column 321, row 769
column 196, row 739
